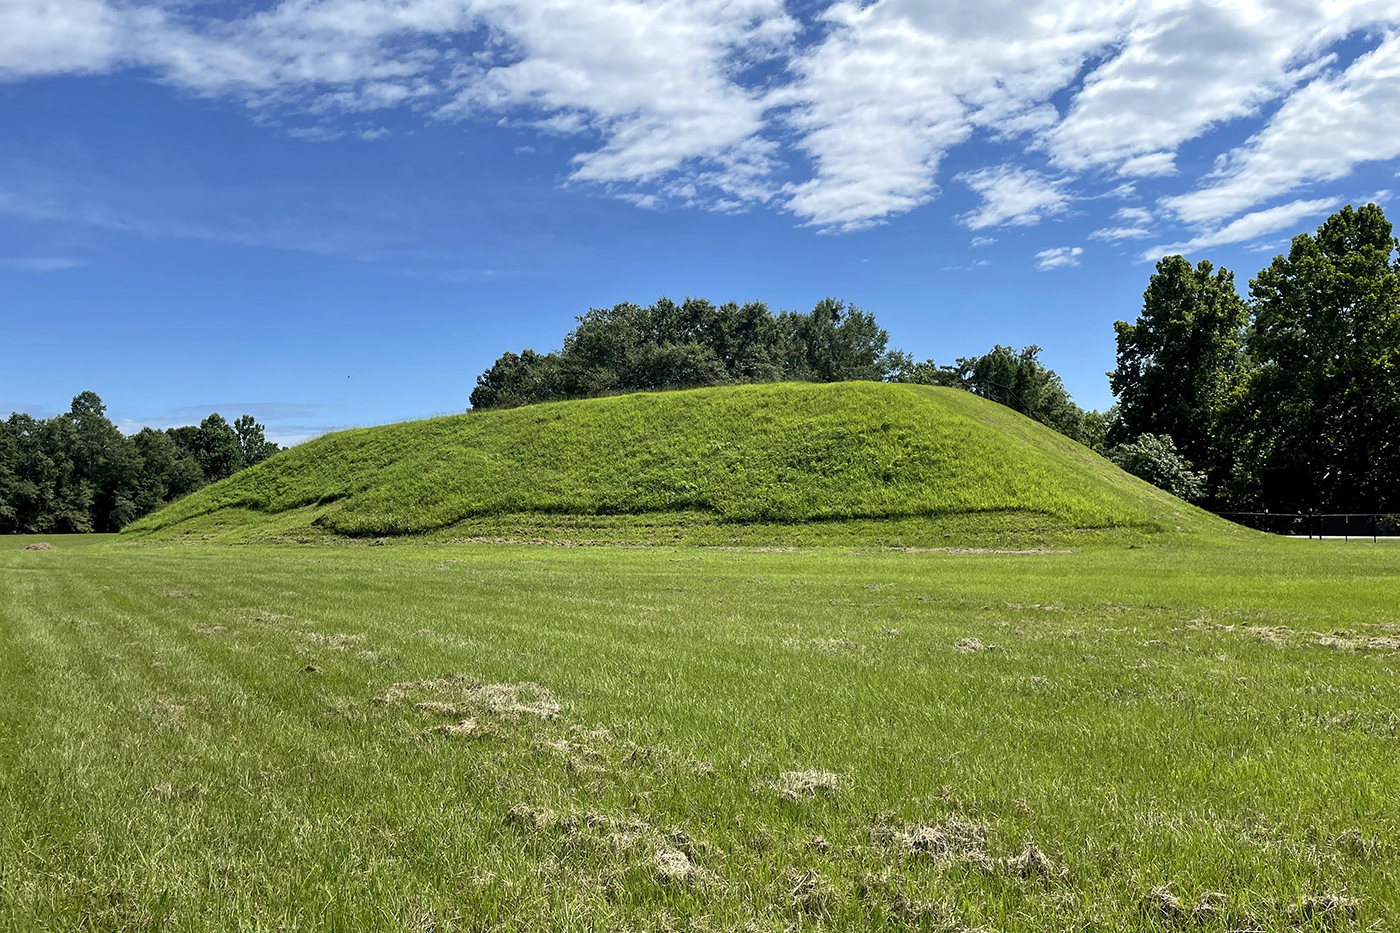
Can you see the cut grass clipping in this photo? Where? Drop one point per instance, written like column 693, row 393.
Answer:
column 473, row 737
column 779, row 464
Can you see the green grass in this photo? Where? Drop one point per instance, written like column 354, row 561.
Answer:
column 1217, row 719
column 786, row 463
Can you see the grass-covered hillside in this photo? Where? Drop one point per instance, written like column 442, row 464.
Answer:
column 901, row 463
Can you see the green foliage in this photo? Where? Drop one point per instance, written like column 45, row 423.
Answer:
column 785, row 454
column 628, row 348
column 1156, row 460
column 216, row 448
column 1319, row 418
column 1292, row 401
column 1018, row 380
column 253, row 445
column 210, row 738
column 1180, row 361
column 78, row 473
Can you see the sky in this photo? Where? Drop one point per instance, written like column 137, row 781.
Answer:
column 330, row 213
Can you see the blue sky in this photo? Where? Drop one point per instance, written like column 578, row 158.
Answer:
column 338, row 212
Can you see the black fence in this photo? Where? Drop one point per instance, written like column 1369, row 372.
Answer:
column 1319, row 525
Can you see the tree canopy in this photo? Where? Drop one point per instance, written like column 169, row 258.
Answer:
column 1289, row 401
column 630, row 348
column 77, row 472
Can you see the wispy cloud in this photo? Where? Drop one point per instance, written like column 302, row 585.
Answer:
column 1013, row 196
column 1249, row 227
column 1058, row 258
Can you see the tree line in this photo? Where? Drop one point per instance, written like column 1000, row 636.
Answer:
column 695, row 343
column 77, row 472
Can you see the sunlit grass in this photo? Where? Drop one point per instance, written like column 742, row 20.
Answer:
column 787, row 462
column 198, row 738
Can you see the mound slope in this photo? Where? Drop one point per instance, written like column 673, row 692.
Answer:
column 777, row 456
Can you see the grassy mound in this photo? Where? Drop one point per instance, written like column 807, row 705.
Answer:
column 851, row 461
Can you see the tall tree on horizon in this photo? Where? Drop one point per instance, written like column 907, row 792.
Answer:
column 1318, row 420
column 1180, row 361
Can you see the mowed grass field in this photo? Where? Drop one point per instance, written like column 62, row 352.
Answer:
column 474, row 737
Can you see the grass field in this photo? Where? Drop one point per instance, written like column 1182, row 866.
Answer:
column 744, row 464
column 429, row 737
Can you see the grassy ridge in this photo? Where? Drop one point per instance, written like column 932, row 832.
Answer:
column 774, row 454
column 1193, row 738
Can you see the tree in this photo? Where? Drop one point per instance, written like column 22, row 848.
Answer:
column 216, row 448
column 628, row 348
column 1317, row 423
column 169, row 471
column 1156, row 460
column 836, row 342
column 252, row 441
column 1180, row 362
column 1019, row 380
column 106, row 460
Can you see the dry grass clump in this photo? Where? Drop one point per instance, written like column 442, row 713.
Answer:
column 334, row 642
column 971, row 645
column 808, row 890
column 39, row 546
column 954, row 838
column 674, row 866
column 463, row 696
column 1351, row 641
column 1166, row 907
column 1326, row 908
column 807, row 785
column 1032, row 863
column 674, row 855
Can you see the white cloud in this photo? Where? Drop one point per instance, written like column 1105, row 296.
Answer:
column 40, row 37
column 1116, row 234
column 895, row 84
column 1187, row 66
column 848, row 122
column 1012, row 196
column 1318, row 135
column 1132, row 226
column 983, row 241
column 1058, row 258
column 1249, row 227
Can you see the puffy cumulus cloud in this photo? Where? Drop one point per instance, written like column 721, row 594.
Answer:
column 41, row 37
column 1012, row 196
column 654, row 80
column 1185, row 67
column 1058, row 258
column 1249, row 227
column 842, row 117
column 1319, row 134
column 897, row 83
